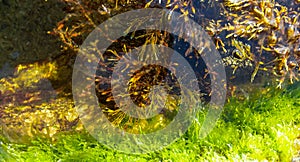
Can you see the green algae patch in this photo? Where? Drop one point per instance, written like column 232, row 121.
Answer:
column 258, row 128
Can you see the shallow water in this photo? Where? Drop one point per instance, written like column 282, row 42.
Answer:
column 36, row 95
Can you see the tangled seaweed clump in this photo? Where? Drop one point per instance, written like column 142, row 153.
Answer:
column 260, row 36
column 83, row 16
column 268, row 29
column 274, row 29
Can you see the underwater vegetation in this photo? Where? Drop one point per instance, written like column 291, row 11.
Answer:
column 256, row 39
column 260, row 38
column 29, row 105
column 260, row 35
column 275, row 30
column 264, row 131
